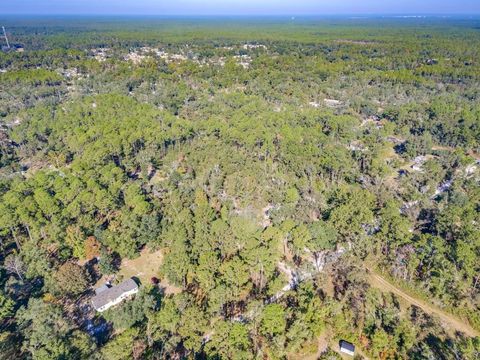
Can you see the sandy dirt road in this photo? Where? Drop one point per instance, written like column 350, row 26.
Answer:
column 449, row 320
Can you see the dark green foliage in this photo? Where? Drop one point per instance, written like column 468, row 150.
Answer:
column 106, row 264
column 132, row 312
column 269, row 163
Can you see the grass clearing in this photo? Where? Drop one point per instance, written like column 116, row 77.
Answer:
column 144, row 267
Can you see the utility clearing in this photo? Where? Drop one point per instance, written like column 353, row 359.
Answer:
column 448, row 320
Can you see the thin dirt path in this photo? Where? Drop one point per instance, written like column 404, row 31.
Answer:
column 450, row 320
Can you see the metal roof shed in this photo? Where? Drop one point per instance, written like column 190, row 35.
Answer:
column 347, row 348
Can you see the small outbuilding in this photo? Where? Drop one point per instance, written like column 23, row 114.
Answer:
column 106, row 296
column 347, row 348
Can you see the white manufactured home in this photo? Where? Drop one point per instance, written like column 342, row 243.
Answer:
column 106, row 297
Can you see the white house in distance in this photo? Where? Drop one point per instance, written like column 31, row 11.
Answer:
column 106, row 297
column 347, row 348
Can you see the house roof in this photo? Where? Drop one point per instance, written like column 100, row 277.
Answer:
column 102, row 288
column 347, row 346
column 110, row 294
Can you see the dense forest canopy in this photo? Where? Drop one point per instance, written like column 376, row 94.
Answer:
column 273, row 185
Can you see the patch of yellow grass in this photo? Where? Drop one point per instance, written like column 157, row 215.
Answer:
column 144, row 267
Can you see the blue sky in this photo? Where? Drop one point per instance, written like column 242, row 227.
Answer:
column 240, row 7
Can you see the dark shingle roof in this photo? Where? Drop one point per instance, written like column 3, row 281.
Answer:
column 113, row 293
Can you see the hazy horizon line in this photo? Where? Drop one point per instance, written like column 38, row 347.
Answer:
column 407, row 15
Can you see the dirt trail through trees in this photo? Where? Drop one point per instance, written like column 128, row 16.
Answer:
column 448, row 319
